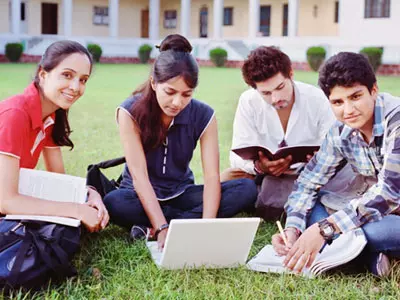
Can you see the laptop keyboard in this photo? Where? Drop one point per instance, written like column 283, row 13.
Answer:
column 155, row 253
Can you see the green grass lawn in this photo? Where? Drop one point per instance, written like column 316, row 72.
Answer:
column 112, row 267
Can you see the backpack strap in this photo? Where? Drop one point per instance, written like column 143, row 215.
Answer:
column 60, row 263
column 19, row 260
column 111, row 163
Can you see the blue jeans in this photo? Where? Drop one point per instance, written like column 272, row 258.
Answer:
column 125, row 208
column 382, row 236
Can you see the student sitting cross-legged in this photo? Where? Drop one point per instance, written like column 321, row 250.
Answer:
column 276, row 111
column 160, row 125
column 367, row 136
column 36, row 122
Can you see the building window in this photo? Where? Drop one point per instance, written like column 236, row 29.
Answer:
column 170, row 19
column 377, row 9
column 265, row 19
column 22, row 11
column 285, row 19
column 100, row 15
column 228, row 16
column 336, row 12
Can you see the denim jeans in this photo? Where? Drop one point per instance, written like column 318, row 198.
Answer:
column 125, row 208
column 382, row 236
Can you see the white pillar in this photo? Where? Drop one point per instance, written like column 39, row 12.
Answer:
column 154, row 19
column 113, row 17
column 254, row 18
column 67, row 17
column 293, row 17
column 16, row 17
column 218, row 15
column 185, row 18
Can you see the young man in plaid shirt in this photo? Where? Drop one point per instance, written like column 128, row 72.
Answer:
column 367, row 136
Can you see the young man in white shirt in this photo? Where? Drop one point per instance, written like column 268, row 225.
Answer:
column 277, row 111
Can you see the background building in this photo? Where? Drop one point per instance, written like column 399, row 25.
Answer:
column 121, row 26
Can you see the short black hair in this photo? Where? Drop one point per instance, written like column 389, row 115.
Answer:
column 346, row 69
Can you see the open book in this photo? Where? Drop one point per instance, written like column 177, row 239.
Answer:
column 51, row 186
column 298, row 153
column 342, row 250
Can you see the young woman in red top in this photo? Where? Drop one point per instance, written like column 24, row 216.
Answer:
column 36, row 122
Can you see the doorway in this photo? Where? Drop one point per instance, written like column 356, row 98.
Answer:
column 144, row 32
column 49, row 18
column 203, row 22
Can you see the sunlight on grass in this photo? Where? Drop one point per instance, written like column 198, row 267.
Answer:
column 124, row 270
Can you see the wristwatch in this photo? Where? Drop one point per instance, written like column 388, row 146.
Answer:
column 161, row 228
column 327, row 230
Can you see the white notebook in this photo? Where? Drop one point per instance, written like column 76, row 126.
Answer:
column 342, row 250
column 51, row 186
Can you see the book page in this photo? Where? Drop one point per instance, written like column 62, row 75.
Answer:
column 267, row 260
column 342, row 250
column 52, row 186
column 51, row 219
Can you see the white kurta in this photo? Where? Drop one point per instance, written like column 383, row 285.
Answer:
column 257, row 122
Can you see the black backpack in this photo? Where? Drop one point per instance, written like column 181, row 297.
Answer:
column 33, row 252
column 98, row 180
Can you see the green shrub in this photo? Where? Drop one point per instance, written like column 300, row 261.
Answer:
column 14, row 51
column 144, row 53
column 96, row 51
column 374, row 55
column 315, row 57
column 218, row 56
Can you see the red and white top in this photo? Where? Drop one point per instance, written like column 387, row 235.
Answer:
column 23, row 133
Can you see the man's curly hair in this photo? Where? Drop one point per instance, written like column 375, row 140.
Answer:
column 264, row 63
column 346, row 69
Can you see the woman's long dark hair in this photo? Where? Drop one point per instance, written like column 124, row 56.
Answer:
column 174, row 60
column 52, row 57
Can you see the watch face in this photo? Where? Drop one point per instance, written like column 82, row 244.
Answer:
column 328, row 230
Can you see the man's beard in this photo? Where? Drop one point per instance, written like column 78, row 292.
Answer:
column 281, row 104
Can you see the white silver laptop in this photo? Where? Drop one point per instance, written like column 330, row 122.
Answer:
column 209, row 243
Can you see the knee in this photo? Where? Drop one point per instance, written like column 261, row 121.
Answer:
column 377, row 233
column 111, row 201
column 247, row 190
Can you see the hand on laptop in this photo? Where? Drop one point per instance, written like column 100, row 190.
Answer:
column 161, row 239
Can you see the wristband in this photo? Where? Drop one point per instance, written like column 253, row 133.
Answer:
column 161, row 228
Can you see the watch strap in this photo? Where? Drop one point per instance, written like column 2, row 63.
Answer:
column 161, row 228
column 325, row 223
